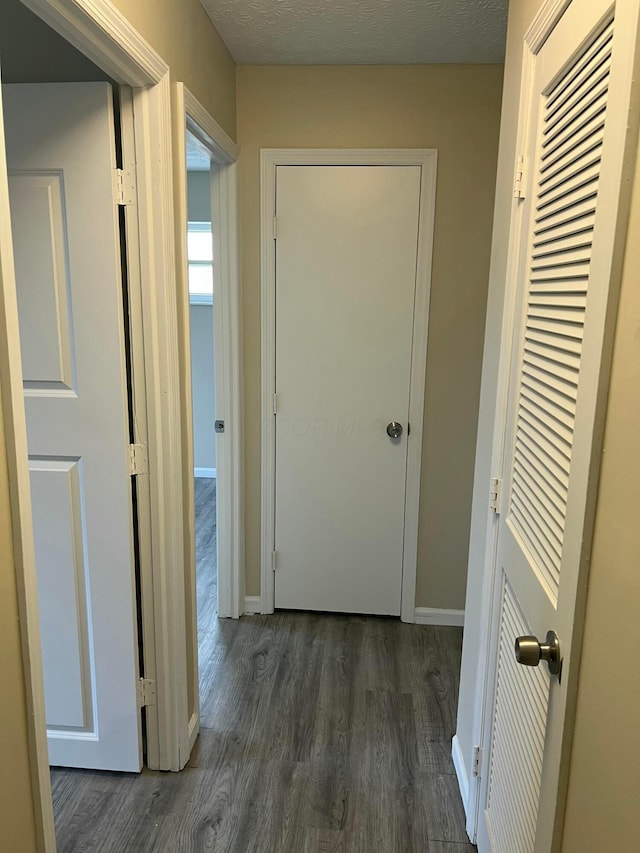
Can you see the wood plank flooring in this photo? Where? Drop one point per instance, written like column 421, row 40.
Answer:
column 319, row 733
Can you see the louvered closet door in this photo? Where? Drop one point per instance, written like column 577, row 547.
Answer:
column 577, row 126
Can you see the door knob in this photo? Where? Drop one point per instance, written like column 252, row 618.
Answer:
column 529, row 652
column 394, row 429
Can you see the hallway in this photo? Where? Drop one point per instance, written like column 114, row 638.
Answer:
column 319, row 733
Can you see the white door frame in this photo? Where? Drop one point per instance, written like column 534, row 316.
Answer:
column 224, row 153
column 105, row 36
column 546, row 19
column 270, row 159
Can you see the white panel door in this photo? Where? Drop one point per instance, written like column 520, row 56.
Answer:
column 345, row 284
column 577, row 124
column 61, row 156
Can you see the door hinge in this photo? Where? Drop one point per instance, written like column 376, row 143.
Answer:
column 146, row 692
column 495, row 495
column 275, row 227
column 124, row 187
column 275, row 404
column 137, row 460
column 520, row 179
column 274, row 560
column 476, row 764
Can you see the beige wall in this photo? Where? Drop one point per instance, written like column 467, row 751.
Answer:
column 456, row 110
column 17, row 817
column 521, row 13
column 604, row 784
column 183, row 35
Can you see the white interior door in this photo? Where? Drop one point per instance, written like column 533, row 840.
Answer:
column 577, row 125
column 61, row 156
column 345, row 284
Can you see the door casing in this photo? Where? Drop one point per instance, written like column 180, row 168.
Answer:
column 270, row 159
column 223, row 153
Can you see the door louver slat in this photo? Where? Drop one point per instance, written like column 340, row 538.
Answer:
column 564, row 202
column 567, row 222
column 518, row 739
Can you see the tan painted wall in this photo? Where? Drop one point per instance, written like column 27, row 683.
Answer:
column 521, row 13
column 456, row 110
column 604, row 785
column 17, row 818
column 182, row 33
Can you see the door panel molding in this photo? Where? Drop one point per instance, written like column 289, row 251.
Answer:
column 270, row 159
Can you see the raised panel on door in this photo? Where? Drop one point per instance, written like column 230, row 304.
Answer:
column 44, row 298
column 345, row 287
column 57, row 495
column 577, row 122
column 61, row 157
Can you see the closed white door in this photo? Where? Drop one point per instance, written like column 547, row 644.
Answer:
column 577, row 122
column 345, row 284
column 61, row 156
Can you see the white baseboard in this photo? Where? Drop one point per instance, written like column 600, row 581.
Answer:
column 252, row 604
column 208, row 473
column 461, row 772
column 439, row 616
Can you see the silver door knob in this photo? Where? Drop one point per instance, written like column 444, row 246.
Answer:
column 529, row 652
column 394, row 429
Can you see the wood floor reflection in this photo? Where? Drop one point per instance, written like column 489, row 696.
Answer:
column 319, row 733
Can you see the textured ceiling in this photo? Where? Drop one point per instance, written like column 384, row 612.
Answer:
column 360, row 32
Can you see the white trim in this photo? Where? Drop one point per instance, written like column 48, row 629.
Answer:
column 426, row 158
column 152, row 111
column 438, row 616
column 143, row 508
column 544, row 23
column 208, row 132
column 228, row 347
column 461, row 771
column 206, row 473
column 252, row 604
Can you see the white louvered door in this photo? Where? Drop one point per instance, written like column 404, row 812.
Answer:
column 576, row 128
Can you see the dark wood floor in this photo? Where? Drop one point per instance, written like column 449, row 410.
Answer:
column 319, row 733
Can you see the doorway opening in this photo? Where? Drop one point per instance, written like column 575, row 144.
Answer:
column 200, row 262
column 210, row 349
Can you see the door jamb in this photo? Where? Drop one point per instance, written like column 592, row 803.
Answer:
column 228, row 367
column 270, row 159
column 106, row 37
